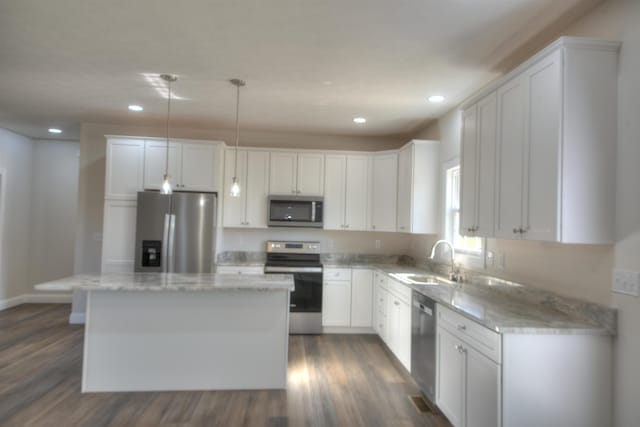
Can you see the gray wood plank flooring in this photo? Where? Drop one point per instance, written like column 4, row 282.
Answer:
column 334, row 380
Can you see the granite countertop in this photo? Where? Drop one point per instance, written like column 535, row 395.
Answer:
column 508, row 307
column 171, row 282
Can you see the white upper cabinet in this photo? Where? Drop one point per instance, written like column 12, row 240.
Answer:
column 192, row 166
column 555, row 152
column 124, row 168
column 418, row 191
column 250, row 208
column 479, row 135
column 383, row 191
column 346, row 188
column 282, row 175
column 293, row 173
column 335, row 191
column 199, row 167
column 310, row 174
column 155, row 164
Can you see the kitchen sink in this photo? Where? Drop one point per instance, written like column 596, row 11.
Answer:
column 421, row 279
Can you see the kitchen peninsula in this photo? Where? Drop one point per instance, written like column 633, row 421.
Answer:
column 167, row 331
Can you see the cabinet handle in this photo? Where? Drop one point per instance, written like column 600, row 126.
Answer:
column 346, row 226
column 462, row 328
column 373, row 227
column 396, row 303
column 460, row 349
column 515, row 230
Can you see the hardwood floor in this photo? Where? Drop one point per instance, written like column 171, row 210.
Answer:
column 334, row 380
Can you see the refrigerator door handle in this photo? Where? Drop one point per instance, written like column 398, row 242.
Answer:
column 172, row 243
column 165, row 243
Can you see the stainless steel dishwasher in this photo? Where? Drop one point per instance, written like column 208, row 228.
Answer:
column 423, row 344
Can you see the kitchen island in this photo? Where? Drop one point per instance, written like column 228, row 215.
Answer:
column 167, row 331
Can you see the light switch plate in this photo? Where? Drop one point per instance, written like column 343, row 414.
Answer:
column 626, row 282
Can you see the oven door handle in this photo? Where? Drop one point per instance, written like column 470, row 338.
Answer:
column 293, row 269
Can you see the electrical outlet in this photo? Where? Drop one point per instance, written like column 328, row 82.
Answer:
column 377, row 244
column 626, row 282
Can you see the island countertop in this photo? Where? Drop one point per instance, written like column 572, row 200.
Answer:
column 158, row 282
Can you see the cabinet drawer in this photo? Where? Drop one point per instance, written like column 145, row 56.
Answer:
column 236, row 269
column 381, row 279
column 337, row 274
column 400, row 290
column 482, row 339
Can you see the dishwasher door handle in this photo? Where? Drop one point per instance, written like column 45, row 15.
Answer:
column 423, row 308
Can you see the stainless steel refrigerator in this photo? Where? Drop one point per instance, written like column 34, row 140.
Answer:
column 175, row 232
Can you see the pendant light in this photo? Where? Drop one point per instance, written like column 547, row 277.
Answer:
column 235, row 184
column 166, row 180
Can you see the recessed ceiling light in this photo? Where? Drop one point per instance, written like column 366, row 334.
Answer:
column 54, row 130
column 436, row 98
column 134, row 107
column 359, row 120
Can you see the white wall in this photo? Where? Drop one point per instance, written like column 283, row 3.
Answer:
column 16, row 154
column 584, row 271
column 620, row 20
column 54, row 204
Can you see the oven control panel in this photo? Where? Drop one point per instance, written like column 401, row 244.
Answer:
column 293, row 247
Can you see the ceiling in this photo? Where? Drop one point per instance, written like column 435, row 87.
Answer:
column 310, row 66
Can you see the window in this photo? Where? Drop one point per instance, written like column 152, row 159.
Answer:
column 463, row 244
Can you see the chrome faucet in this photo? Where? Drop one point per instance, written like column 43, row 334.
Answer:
column 453, row 274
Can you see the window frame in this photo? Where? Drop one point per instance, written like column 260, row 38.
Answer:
column 473, row 259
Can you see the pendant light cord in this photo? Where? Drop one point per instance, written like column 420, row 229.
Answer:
column 166, row 165
column 235, row 170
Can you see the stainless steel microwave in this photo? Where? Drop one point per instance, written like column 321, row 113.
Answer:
column 296, row 211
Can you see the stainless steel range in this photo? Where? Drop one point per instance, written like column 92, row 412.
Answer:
column 302, row 259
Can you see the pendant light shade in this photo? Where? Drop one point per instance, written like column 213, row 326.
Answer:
column 166, row 179
column 235, row 184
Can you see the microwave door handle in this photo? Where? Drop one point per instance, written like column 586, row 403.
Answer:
column 313, row 211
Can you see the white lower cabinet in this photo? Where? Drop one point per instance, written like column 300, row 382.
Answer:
column 361, row 298
column 486, row 379
column 468, row 383
column 392, row 316
column 336, row 303
column 118, row 236
column 347, row 298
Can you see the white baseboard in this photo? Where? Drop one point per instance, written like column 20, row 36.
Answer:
column 346, row 330
column 57, row 298
column 35, row 299
column 11, row 302
column 77, row 318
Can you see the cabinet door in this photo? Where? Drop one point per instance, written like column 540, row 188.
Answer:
column 384, row 187
column 391, row 322
column 469, row 171
column 541, row 170
column 405, row 175
column 450, row 378
column 482, row 390
column 334, row 195
column 511, row 137
column 119, row 236
column 486, row 161
column 199, row 167
column 282, row 172
column 403, row 341
column 155, row 157
column 356, row 211
column 361, row 298
column 336, row 303
column 233, row 214
column 257, row 189
column 124, row 169
column 310, row 180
